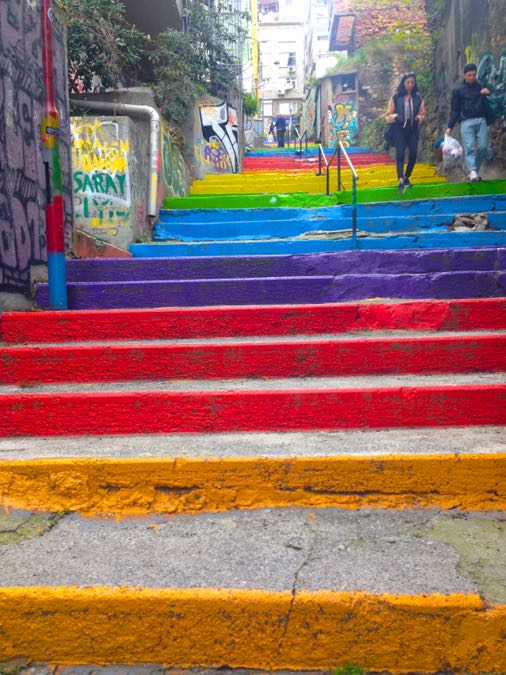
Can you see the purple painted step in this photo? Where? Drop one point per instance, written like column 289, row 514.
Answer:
column 343, row 262
column 284, row 290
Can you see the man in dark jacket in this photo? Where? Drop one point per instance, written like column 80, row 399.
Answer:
column 468, row 108
column 280, row 131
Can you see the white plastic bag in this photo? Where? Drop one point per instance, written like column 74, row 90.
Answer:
column 452, row 152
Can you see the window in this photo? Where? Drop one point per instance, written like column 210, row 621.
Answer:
column 292, row 59
column 267, row 108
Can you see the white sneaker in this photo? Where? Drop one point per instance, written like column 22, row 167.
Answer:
column 473, row 177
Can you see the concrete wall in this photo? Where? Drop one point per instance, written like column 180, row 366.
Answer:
column 475, row 32
column 23, row 252
column 216, row 138
column 110, row 162
column 339, row 108
column 174, row 175
column 114, row 153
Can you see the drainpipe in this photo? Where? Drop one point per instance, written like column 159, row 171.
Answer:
column 50, row 128
column 154, row 138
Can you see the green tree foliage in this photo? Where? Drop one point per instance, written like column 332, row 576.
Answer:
column 250, row 103
column 101, row 44
column 201, row 61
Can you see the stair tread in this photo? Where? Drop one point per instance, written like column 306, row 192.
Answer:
column 406, row 552
column 275, row 384
column 363, row 336
column 424, row 441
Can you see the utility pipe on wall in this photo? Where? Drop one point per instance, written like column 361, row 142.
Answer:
column 154, row 138
column 55, row 229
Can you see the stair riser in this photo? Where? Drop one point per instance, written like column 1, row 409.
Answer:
column 68, row 326
column 382, row 194
column 202, row 412
column 345, row 262
column 444, row 206
column 419, row 240
column 311, row 185
column 252, row 629
column 285, row 229
column 475, row 482
column 284, row 290
column 28, row 365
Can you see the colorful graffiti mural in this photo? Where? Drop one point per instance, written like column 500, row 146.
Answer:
column 491, row 74
column 217, row 149
column 175, row 177
column 101, row 177
column 342, row 119
column 309, row 113
column 22, row 175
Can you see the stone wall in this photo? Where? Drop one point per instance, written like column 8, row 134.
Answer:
column 23, row 252
column 472, row 31
column 375, row 17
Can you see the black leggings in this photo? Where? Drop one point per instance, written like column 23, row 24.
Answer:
column 405, row 137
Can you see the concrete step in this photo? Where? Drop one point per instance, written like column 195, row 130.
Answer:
column 110, row 362
column 436, row 206
column 226, row 322
column 203, row 406
column 272, row 184
column 279, row 290
column 81, row 479
column 364, row 196
column 456, row 441
column 279, row 229
column 341, row 262
column 391, row 591
column 325, row 242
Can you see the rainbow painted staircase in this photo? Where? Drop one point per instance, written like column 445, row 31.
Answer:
column 253, row 459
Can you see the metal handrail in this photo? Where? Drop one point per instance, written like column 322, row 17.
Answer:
column 341, row 150
column 301, row 138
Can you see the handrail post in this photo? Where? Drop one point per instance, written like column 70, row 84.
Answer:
column 354, row 213
column 306, row 144
column 328, row 180
column 339, row 169
column 319, row 160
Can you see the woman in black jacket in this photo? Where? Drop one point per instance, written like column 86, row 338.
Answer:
column 406, row 111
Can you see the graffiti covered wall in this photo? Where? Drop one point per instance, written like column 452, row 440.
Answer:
column 217, row 140
column 23, row 253
column 110, row 178
column 474, row 32
column 175, row 180
column 341, row 110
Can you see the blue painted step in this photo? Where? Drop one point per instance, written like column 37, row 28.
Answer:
column 446, row 205
column 419, row 240
column 280, row 229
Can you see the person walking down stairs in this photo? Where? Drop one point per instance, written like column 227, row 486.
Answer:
column 468, row 108
column 406, row 111
column 280, row 131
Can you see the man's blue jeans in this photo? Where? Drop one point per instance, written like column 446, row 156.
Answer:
column 475, row 140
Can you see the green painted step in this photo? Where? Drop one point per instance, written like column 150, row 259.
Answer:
column 304, row 200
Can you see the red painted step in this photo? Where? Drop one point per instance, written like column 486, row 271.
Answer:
column 303, row 358
column 80, row 414
column 209, row 322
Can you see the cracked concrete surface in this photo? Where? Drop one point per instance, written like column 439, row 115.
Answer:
column 406, row 552
column 15, row 527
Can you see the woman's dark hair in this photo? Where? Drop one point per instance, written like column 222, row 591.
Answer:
column 401, row 89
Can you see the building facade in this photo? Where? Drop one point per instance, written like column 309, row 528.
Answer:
column 281, row 29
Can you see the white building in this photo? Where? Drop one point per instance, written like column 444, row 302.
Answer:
column 282, row 28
